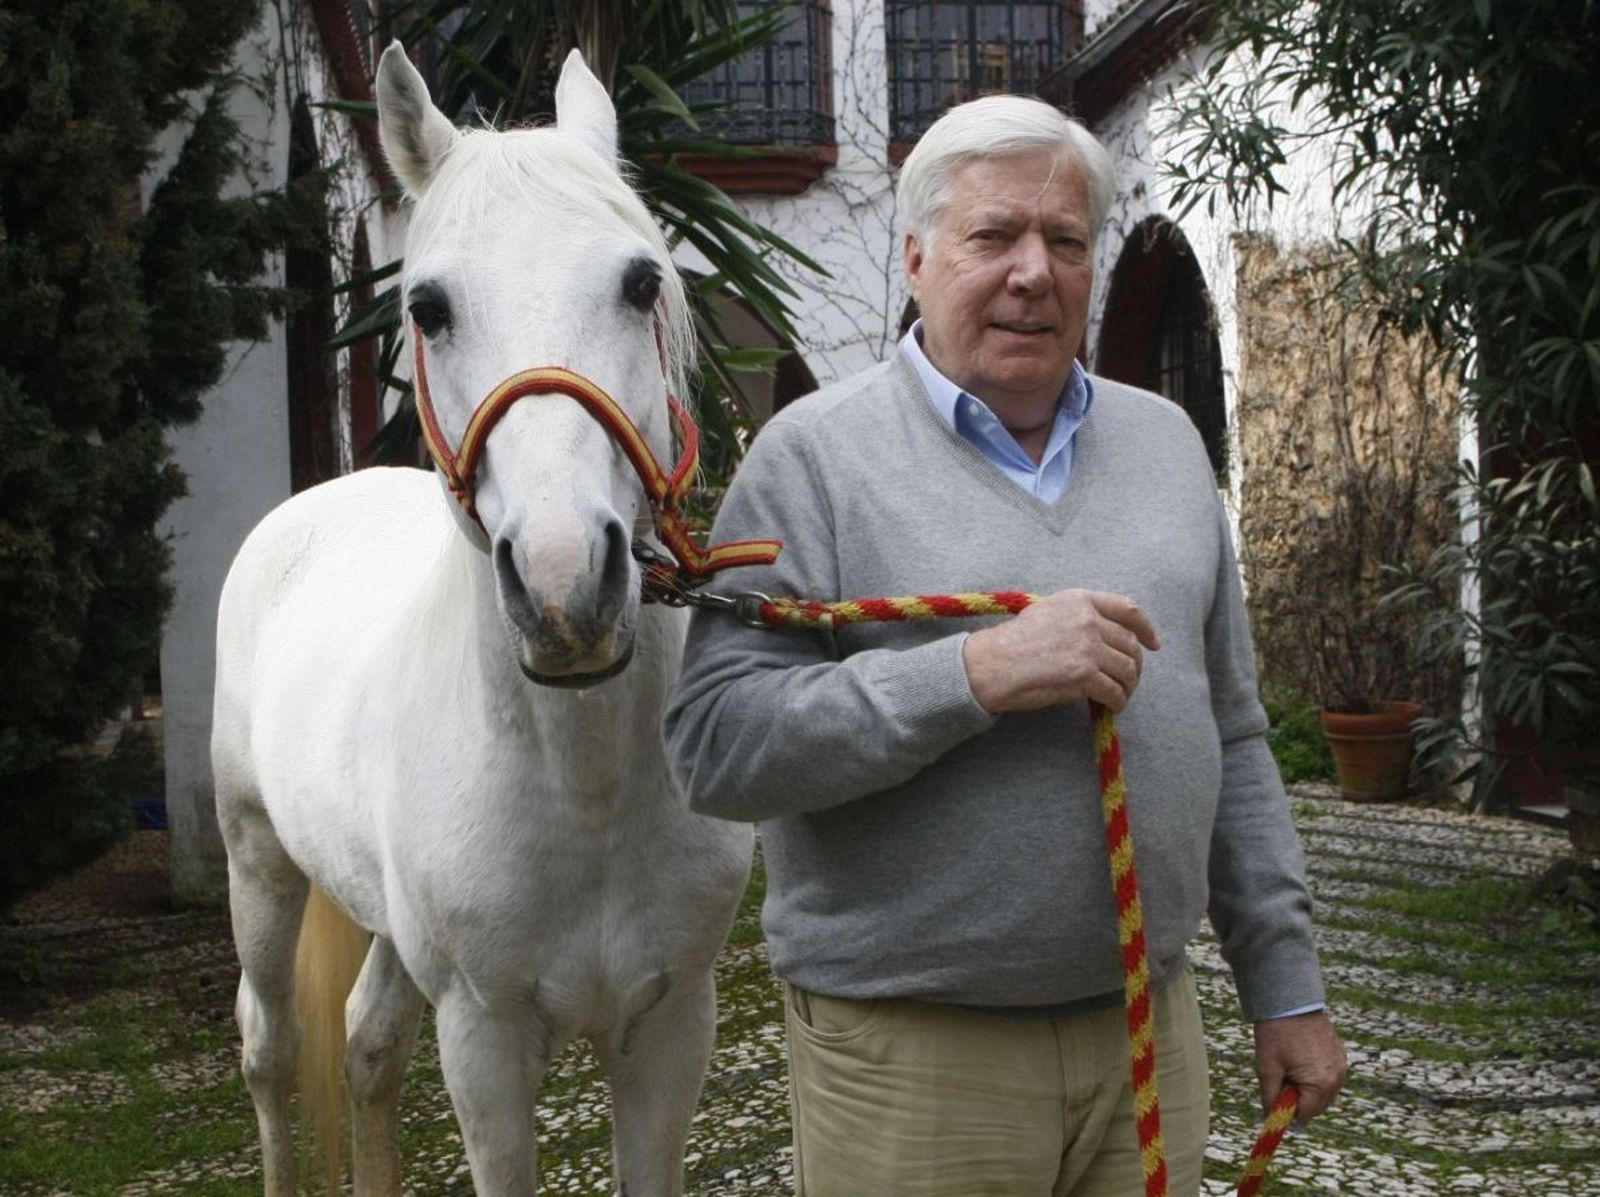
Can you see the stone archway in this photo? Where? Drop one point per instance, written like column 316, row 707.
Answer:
column 1160, row 331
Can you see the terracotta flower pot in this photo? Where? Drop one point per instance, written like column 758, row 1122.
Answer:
column 1372, row 753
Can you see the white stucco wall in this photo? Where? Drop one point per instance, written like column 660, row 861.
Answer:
column 1097, row 13
column 845, row 220
column 236, row 455
column 1144, row 143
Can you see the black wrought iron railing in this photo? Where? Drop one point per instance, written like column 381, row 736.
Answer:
column 780, row 92
column 944, row 54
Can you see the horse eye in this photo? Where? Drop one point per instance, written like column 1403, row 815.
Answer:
column 430, row 310
column 641, row 284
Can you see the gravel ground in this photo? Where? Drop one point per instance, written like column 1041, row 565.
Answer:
column 1474, row 1071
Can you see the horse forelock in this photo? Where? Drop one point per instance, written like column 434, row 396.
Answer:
column 542, row 169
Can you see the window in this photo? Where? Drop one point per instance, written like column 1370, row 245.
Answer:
column 1159, row 331
column 780, row 92
column 1189, row 358
column 943, row 54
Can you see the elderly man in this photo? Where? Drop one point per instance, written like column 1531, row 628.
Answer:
column 938, row 895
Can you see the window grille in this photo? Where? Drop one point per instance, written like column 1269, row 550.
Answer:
column 1189, row 359
column 944, row 54
column 777, row 93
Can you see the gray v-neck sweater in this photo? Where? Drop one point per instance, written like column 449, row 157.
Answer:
column 917, row 846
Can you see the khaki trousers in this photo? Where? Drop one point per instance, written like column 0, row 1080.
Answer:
column 913, row 1099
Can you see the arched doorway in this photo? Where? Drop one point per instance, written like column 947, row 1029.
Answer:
column 1160, row 331
column 365, row 414
column 313, row 386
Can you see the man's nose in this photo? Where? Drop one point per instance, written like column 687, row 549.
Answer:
column 1030, row 265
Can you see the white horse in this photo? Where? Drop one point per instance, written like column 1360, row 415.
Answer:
column 517, row 851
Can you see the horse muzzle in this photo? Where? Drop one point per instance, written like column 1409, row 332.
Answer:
column 580, row 633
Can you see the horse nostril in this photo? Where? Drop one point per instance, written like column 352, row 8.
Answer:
column 513, row 591
column 616, row 574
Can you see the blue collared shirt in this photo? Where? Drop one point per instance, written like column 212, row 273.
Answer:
column 972, row 419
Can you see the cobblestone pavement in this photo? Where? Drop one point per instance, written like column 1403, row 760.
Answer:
column 1475, row 1051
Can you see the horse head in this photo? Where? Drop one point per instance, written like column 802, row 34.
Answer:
column 526, row 249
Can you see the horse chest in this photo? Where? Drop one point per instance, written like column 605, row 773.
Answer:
column 578, row 903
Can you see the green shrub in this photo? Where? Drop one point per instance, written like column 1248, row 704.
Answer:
column 1468, row 137
column 117, row 318
column 1296, row 738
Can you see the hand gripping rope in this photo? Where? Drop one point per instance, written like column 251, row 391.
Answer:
column 798, row 613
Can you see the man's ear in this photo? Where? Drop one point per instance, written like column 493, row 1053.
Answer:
column 416, row 136
column 913, row 259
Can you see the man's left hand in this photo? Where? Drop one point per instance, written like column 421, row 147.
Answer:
column 1304, row 1051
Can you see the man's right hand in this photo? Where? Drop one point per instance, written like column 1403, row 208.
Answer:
column 1071, row 645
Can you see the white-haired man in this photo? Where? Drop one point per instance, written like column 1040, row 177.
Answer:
column 938, row 897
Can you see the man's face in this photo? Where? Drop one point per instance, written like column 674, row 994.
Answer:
column 1004, row 286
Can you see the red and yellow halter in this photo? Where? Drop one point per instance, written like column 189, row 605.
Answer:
column 666, row 491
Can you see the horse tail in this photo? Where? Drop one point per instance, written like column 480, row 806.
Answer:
column 327, row 962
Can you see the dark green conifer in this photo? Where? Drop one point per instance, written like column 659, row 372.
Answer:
column 114, row 320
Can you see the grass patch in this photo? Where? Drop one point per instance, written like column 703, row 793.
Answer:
column 1523, row 941
column 1307, row 812
column 1518, row 957
column 1482, row 900
column 92, row 1146
column 1511, row 1026
column 94, row 1150
column 747, row 921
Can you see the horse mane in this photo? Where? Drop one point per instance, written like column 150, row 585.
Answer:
column 543, row 167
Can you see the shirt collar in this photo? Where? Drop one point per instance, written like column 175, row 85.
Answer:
column 1073, row 406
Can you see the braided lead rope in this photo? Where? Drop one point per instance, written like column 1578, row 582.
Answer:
column 1278, row 1120
column 1135, row 959
column 802, row 613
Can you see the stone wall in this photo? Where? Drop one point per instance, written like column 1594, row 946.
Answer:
column 1348, row 433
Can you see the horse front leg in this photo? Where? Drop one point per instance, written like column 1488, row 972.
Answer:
column 493, row 1062
column 266, row 897
column 381, row 1022
column 657, row 1065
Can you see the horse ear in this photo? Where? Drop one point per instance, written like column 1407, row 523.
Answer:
column 584, row 109
column 416, row 136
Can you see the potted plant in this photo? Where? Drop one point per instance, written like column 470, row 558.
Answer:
column 1348, row 438
column 1362, row 669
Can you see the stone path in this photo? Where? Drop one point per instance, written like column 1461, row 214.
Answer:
column 1474, row 1069
column 1473, row 1036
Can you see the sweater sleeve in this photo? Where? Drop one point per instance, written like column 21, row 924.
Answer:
column 766, row 722
column 1260, row 904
